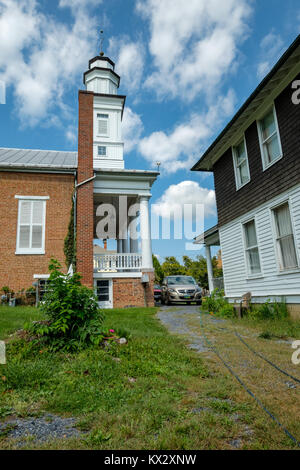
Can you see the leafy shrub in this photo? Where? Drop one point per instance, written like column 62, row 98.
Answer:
column 227, row 311
column 74, row 320
column 218, row 305
column 269, row 310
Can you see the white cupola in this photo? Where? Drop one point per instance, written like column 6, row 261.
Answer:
column 102, row 80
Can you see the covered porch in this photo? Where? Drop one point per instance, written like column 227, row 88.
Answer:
column 122, row 214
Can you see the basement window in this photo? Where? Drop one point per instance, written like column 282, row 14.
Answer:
column 31, row 225
column 101, row 151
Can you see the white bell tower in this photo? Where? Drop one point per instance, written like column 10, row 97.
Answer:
column 102, row 80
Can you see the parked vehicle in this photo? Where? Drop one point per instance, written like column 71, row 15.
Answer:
column 157, row 293
column 181, row 289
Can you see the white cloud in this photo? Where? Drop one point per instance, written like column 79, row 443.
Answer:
column 132, row 128
column 42, row 58
column 271, row 47
column 129, row 57
column 186, row 192
column 193, row 43
column 71, row 134
column 79, row 4
column 182, row 147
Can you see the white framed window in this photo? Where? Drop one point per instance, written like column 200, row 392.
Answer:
column 31, row 225
column 101, row 151
column 102, row 124
column 285, row 240
column 251, row 248
column 269, row 138
column 241, row 165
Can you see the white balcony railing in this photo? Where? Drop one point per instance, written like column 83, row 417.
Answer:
column 117, row 262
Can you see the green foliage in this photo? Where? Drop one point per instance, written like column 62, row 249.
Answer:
column 218, row 305
column 73, row 319
column 171, row 267
column 269, row 310
column 159, row 273
column 70, row 241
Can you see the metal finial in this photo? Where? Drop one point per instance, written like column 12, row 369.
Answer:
column 158, row 165
column 101, row 43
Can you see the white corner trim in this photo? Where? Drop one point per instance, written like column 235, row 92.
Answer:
column 33, row 197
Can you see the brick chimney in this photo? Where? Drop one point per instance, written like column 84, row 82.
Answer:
column 85, row 193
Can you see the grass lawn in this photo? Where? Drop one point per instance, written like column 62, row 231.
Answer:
column 12, row 319
column 153, row 393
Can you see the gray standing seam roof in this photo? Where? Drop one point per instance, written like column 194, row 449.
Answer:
column 26, row 158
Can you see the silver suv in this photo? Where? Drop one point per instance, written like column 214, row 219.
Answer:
column 180, row 289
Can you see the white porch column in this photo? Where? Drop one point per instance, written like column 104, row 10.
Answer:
column 125, row 245
column 134, row 243
column 119, row 246
column 209, row 268
column 145, row 233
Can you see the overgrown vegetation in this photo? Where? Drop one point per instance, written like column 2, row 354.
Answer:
column 190, row 267
column 70, row 241
column 72, row 317
column 218, row 305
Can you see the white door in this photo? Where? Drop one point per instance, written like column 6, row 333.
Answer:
column 103, row 290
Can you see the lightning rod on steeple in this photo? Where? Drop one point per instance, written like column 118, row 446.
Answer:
column 101, row 43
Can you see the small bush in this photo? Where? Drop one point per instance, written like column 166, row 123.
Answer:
column 218, row 305
column 269, row 310
column 73, row 319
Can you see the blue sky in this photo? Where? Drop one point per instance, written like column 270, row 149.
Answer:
column 186, row 67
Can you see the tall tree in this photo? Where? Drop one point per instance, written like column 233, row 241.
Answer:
column 158, row 271
column 172, row 267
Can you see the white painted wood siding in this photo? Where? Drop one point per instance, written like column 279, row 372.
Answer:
column 272, row 283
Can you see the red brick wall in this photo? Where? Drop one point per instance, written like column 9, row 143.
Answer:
column 131, row 292
column 85, row 215
column 16, row 271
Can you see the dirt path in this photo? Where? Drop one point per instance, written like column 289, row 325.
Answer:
column 279, row 393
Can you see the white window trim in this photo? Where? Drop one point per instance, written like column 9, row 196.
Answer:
column 101, row 156
column 97, row 124
column 250, row 275
column 237, row 178
column 37, row 198
column 272, row 209
column 31, row 251
column 260, row 138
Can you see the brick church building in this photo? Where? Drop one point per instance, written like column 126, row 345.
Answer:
column 40, row 187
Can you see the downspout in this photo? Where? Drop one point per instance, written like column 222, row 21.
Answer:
column 75, row 199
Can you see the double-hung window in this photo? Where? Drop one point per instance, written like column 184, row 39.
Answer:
column 251, row 247
column 31, row 225
column 285, row 242
column 102, row 124
column 269, row 138
column 241, row 166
